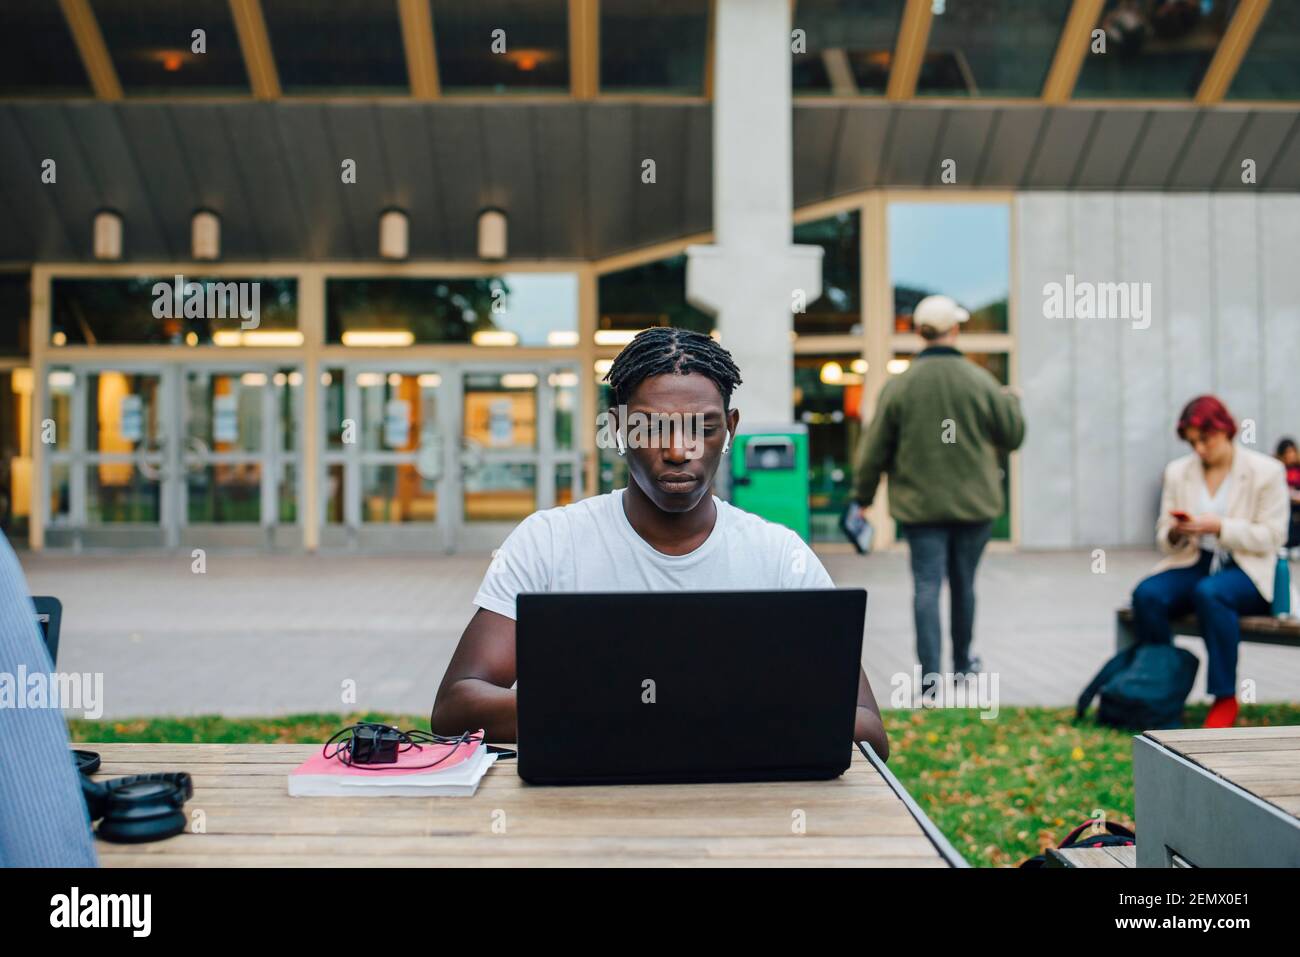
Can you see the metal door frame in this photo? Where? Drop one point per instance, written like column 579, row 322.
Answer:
column 170, row 459
column 271, row 458
column 74, row 530
column 450, row 532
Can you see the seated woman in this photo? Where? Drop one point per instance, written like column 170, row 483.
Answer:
column 1223, row 517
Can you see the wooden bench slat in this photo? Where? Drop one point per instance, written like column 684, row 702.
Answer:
column 1253, row 623
column 1090, row 857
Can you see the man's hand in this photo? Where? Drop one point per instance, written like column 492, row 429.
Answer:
column 476, row 689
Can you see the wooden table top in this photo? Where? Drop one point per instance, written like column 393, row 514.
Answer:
column 250, row 820
column 1264, row 761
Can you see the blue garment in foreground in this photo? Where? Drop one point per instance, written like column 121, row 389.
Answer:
column 1218, row 601
column 43, row 820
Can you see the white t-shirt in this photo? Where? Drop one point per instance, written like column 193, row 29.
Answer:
column 590, row 546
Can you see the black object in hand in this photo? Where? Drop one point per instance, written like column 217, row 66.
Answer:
column 856, row 528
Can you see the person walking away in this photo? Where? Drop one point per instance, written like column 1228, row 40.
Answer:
column 939, row 432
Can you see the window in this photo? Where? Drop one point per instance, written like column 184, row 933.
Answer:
column 644, row 296
column 502, row 46
column 37, row 54
column 962, row 250
column 1271, row 68
column 611, row 467
column 839, row 308
column 827, row 396
column 656, row 46
column 15, row 452
column 1154, row 48
column 513, row 309
column 350, row 46
column 159, row 310
column 15, row 314
column 849, row 45
column 992, row 48
column 151, row 43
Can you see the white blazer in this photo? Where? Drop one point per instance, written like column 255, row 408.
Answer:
column 1254, row 525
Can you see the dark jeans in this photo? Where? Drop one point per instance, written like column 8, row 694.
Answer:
column 1218, row 600
column 954, row 550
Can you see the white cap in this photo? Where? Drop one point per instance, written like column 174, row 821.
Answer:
column 940, row 313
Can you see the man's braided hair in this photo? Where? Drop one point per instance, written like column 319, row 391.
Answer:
column 664, row 349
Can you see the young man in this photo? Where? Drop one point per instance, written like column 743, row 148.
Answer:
column 938, row 432
column 665, row 532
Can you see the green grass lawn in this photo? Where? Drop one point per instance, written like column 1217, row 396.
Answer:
column 1000, row 790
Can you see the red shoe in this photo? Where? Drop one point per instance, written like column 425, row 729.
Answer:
column 1223, row 713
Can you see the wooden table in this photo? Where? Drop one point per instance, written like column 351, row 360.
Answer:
column 1225, row 797
column 863, row 818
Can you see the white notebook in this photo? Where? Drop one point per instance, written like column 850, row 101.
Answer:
column 459, row 780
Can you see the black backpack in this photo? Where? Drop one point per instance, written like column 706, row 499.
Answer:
column 1117, row 835
column 1143, row 688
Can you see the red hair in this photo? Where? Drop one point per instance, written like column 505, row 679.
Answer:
column 1207, row 414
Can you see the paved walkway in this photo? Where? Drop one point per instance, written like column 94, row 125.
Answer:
column 262, row 635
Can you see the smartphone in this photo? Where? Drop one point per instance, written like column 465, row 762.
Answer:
column 1181, row 516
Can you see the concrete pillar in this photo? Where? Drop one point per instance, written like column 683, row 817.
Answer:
column 753, row 277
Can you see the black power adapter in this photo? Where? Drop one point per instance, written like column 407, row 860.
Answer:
column 375, row 744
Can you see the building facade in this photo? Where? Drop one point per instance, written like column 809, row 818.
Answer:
column 447, row 244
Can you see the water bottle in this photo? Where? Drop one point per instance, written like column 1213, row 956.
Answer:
column 1282, row 587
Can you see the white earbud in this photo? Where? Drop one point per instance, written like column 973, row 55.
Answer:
column 726, row 443
column 618, row 439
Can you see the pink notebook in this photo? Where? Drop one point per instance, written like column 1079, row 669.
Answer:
column 458, row 772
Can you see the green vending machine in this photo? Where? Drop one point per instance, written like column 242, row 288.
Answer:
column 769, row 474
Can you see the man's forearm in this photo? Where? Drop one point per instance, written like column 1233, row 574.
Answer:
column 472, row 703
column 868, row 727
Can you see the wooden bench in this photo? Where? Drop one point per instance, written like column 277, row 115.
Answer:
column 1123, row 856
column 1262, row 629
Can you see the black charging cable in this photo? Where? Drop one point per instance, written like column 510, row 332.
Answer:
column 359, row 744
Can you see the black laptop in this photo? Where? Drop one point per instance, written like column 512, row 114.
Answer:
column 626, row 688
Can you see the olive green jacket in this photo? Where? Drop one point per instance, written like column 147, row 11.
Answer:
column 938, row 433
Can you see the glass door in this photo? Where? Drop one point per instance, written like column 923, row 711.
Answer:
column 385, row 478
column 171, row 456
column 440, row 457
column 239, row 461
column 518, row 450
column 106, row 474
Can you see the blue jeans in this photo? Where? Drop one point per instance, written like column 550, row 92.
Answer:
column 952, row 549
column 1218, row 600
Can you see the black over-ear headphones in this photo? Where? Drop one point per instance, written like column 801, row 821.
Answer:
column 135, row 809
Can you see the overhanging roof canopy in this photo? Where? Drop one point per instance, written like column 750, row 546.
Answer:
column 567, row 173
